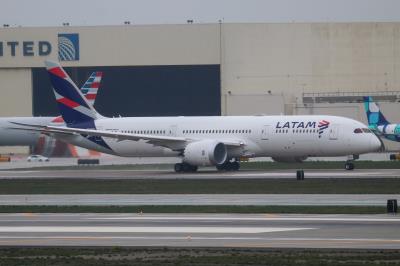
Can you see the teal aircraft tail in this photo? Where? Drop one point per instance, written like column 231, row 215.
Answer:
column 374, row 114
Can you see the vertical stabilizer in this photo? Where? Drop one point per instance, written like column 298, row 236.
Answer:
column 374, row 114
column 74, row 107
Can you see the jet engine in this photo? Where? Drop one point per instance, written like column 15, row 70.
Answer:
column 205, row 152
column 289, row 159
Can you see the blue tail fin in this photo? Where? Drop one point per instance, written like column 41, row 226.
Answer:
column 374, row 114
column 74, row 107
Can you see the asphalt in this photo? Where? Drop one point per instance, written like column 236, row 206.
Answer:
column 199, row 199
column 201, row 230
column 204, row 174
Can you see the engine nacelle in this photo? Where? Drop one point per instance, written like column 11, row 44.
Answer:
column 205, row 152
column 289, row 159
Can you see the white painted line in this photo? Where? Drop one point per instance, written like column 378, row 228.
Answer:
column 78, row 237
column 333, row 219
column 121, row 229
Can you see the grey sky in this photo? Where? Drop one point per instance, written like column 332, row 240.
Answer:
column 115, row 12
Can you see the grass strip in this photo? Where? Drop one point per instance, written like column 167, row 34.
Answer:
column 138, row 256
column 244, row 165
column 201, row 186
column 319, row 165
column 196, row 209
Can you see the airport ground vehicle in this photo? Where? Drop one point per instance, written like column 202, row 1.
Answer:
column 37, row 158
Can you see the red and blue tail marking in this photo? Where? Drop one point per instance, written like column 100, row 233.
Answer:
column 89, row 90
column 91, row 86
column 74, row 108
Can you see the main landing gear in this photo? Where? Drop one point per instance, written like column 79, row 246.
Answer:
column 184, row 167
column 229, row 166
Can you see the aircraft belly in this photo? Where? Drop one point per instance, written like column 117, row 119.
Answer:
column 83, row 142
column 139, row 148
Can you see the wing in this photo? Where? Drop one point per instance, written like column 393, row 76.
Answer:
column 173, row 143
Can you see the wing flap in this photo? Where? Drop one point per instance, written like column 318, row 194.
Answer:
column 174, row 143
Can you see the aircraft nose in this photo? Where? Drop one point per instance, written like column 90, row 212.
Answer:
column 375, row 143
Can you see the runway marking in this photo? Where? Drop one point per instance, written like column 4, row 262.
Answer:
column 206, row 238
column 141, row 229
column 312, row 173
column 333, row 219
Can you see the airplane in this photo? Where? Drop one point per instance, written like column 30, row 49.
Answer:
column 219, row 141
column 20, row 138
column 378, row 123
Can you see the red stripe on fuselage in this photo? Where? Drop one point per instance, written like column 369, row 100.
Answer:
column 68, row 102
column 58, row 72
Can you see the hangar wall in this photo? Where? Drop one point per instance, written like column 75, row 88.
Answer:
column 15, row 86
column 295, row 58
column 265, row 68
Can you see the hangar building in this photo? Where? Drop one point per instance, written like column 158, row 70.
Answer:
column 208, row 69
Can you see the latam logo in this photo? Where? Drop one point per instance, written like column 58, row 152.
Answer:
column 295, row 124
column 322, row 125
column 68, row 46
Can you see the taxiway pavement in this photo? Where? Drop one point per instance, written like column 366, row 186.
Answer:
column 198, row 199
column 203, row 230
column 203, row 174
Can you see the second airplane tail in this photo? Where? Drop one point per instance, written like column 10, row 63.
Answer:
column 374, row 114
column 74, row 107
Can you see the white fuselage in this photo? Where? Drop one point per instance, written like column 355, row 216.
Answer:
column 15, row 137
column 274, row 136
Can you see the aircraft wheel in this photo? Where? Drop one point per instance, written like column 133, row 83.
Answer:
column 185, row 167
column 220, row 167
column 189, row 168
column 235, row 166
column 194, row 168
column 349, row 166
column 178, row 167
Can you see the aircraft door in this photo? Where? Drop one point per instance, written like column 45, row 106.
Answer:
column 334, row 132
column 265, row 132
column 173, row 130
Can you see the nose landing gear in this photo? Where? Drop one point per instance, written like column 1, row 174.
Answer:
column 349, row 165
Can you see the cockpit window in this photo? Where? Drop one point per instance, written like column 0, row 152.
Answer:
column 362, row 130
